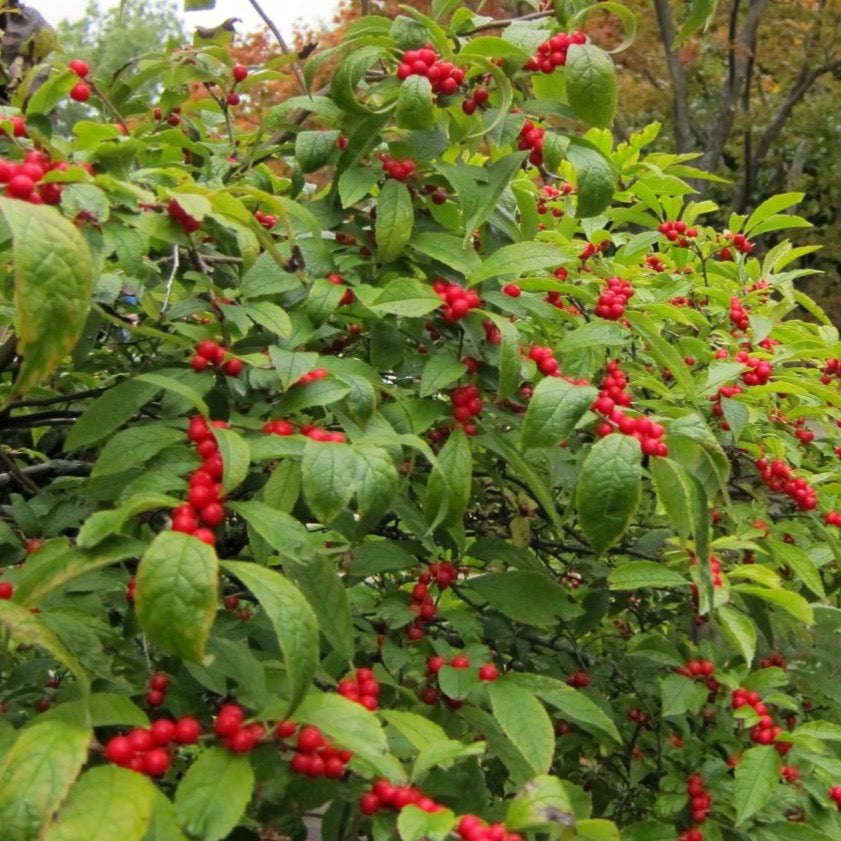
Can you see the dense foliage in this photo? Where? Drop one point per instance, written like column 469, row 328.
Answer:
column 421, row 459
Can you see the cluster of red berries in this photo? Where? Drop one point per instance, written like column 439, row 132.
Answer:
column 204, row 509
column 700, row 801
column 467, row 404
column 555, row 299
column 553, row 53
column 23, row 180
column 697, row 668
column 240, row 74
column 493, row 336
column 591, row 249
column 677, row 232
column 549, row 193
column 398, row 169
column 81, row 91
column 765, row 731
column 478, row 99
column 472, row 828
column 773, row 661
column 655, row 263
column 362, row 688
column 457, row 301
column 738, row 314
column 760, row 369
column 237, row 736
column 338, row 280
column 149, row 750
column 545, row 359
column 209, row 353
column 284, row 427
column 442, row 574
column 614, row 298
column 779, row 478
column 741, row 243
column 314, row 755
column 725, row 391
column 386, row 795
column 612, row 395
column 830, row 371
column 173, row 118
column 156, row 694
column 531, row 138
column 189, row 224
column 444, row 76
column 835, row 794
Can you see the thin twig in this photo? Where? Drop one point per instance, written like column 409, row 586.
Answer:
column 296, row 70
column 501, row 24
column 171, row 279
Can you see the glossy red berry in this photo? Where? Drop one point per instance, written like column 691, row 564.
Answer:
column 79, row 67
column 80, row 92
column 240, row 72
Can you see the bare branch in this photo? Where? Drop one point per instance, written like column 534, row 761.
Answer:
column 680, row 88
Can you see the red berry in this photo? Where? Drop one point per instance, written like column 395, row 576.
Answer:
column 460, row 661
column 310, row 739
column 488, row 671
column 187, row 730
column 79, row 67
column 156, row 762
column 163, row 731
column 119, row 750
column 80, row 92
column 6, row 590
column 240, row 72
column 155, row 698
column 229, row 720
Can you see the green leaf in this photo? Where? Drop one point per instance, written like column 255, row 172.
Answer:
column 528, row 597
column 685, row 501
column 103, row 799
column 595, row 180
column 636, row 575
column 663, row 352
column 395, row 219
column 793, row 603
column 329, row 474
column 439, row 371
column 608, row 490
column 163, row 825
column 408, row 297
column 418, row 730
column 448, row 250
column 448, row 489
column 598, row 829
column 415, row 824
column 354, row 728
column 36, row 774
column 280, row 530
column 554, row 409
column 236, row 457
column 739, row 629
column 101, row 709
column 415, row 104
column 770, row 207
column 176, row 387
column 25, row 628
column 212, row 796
column 177, row 592
column 313, row 148
column 571, row 703
column 109, row 412
column 134, row 446
column 269, row 315
column 348, row 74
column 103, row 524
column 375, row 484
column 517, row 259
column 542, row 803
column 294, row 622
column 682, row 695
column 700, row 15
column 799, row 562
column 54, row 277
column 524, row 721
column 318, row 580
column 757, row 776
column 443, row 755
column 591, row 84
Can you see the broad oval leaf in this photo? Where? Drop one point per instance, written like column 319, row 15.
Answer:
column 328, row 478
column 395, row 219
column 591, row 84
column 213, row 794
column 554, row 409
column 293, row 620
column 415, row 104
column 608, row 490
column 101, row 799
column 54, row 279
column 757, row 776
column 636, row 575
column 177, row 592
column 36, row 774
column 525, row 722
column 595, row 180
